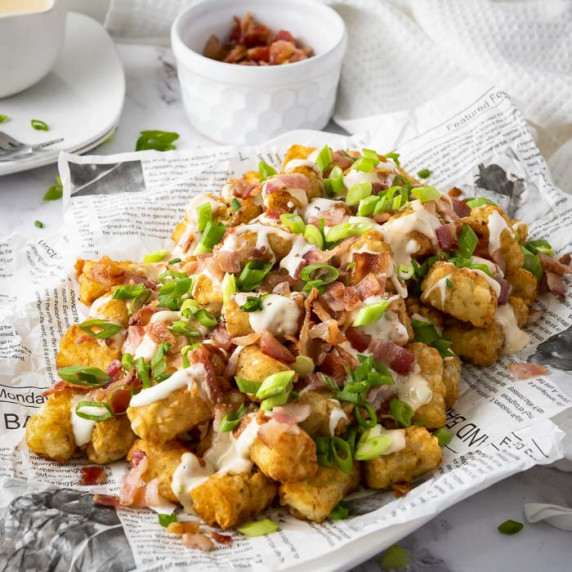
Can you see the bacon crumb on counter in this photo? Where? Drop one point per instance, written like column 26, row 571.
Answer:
column 527, row 370
column 92, row 476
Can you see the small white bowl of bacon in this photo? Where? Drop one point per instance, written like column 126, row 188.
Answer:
column 252, row 70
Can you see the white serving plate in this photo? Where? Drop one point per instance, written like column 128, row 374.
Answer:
column 80, row 99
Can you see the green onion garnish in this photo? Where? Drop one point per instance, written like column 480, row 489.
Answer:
column 206, row 319
column 370, row 313
column 314, row 236
column 275, row 384
column 258, row 528
column 367, row 205
column 142, row 368
column 235, row 204
column 171, row 294
column 83, row 375
column 424, row 173
column 430, row 335
column 324, row 451
column 444, row 436
column 448, row 283
column 184, row 329
column 158, row 362
column 246, row 385
column 364, row 164
column 137, row 293
column 368, row 422
column 479, row 202
column 156, row 256
column 342, row 453
column 294, row 222
column 252, row 304
column 510, row 527
column 185, row 350
column 395, row 558
column 166, row 519
column 394, row 157
column 228, row 286
column 425, row 194
column 156, row 140
column 357, row 193
column 467, row 241
column 318, row 275
column 347, row 229
column 405, row 272
column 402, row 412
column 211, row 236
column 166, row 276
column 265, row 171
column 303, row 365
column 371, row 445
column 335, row 182
column 39, row 125
column 4, row 118
column 253, row 274
column 189, row 308
column 39, row 224
column 371, row 155
column 174, row 261
column 271, row 402
column 127, row 361
column 204, row 216
column 340, row 511
column 93, row 410
column 104, row 329
column 539, row 245
column 231, row 420
column 532, row 264
column 55, row 192
column 324, row 159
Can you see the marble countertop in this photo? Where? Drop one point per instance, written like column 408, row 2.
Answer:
column 463, row 538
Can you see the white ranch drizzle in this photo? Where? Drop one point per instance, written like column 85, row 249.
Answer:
column 293, row 259
column 231, row 242
column 299, row 194
column 146, row 348
column 496, row 225
column 413, row 388
column 279, row 315
column 440, row 285
column 82, row 428
column 316, row 206
column 354, row 177
column 515, row 338
column 397, row 437
column 337, row 414
column 294, row 163
column 165, row 316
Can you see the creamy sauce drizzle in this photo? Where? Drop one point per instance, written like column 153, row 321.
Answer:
column 397, row 437
column 414, row 388
column 337, row 414
column 496, row 225
column 294, row 163
column 82, row 428
column 515, row 338
column 279, row 315
column 292, row 260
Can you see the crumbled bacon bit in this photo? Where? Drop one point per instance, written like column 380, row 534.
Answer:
column 221, row 337
column 92, row 476
column 401, row 489
column 359, row 340
column 114, row 369
column 273, row 348
column 371, row 263
column 106, row 500
column 397, row 358
column 527, row 370
column 461, row 208
column 200, row 541
column 223, row 539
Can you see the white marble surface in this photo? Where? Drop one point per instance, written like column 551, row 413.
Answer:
column 462, row 539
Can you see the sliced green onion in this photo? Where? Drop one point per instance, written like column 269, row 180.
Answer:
column 253, row 274
column 252, row 304
column 174, row 261
column 4, row 118
column 55, row 192
column 294, row 222
column 166, row 519
column 235, row 204
column 424, row 173
column 364, row 164
column 367, row 205
column 93, row 410
column 357, row 193
column 184, row 351
column 265, row 171
column 370, row 313
column 510, row 527
column 532, row 264
column 448, row 283
column 105, row 329
column 324, row 451
column 347, row 229
column 467, row 241
column 357, row 386
column 349, row 397
column 157, row 140
column 539, row 245
column 83, row 375
column 170, row 275
column 184, row 329
column 402, row 412
column 204, row 216
column 394, row 157
column 340, row 511
column 372, row 447
column 275, row 384
column 206, row 319
column 246, row 385
column 156, row 256
column 371, row 421
column 444, row 436
column 405, row 272
column 127, row 361
column 142, row 368
column 343, row 462
column 39, row 125
column 228, row 286
column 271, row 402
column 395, row 558
column 319, row 275
column 371, row 155
column 211, row 236
column 336, row 180
column 231, row 420
column 303, row 365
column 314, row 236
column 430, row 335
column 189, row 308
column 425, row 194
column 479, row 202
column 158, row 361
column 324, row 159
column 258, row 528
column 39, row 224
column 171, row 294
column 351, row 437
column 135, row 292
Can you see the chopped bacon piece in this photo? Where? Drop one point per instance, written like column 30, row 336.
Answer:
column 505, row 290
column 58, row 386
column 445, row 237
column 133, row 479
column 159, row 333
column 232, row 362
column 358, row 339
column 397, row 358
column 223, row 539
column 106, row 500
column 119, row 400
column 199, row 541
column 291, row 413
column 92, row 476
column 235, row 55
column 201, row 355
column 214, row 49
column 446, row 209
column 305, row 345
column 336, row 215
column 143, row 315
column 281, row 51
column 313, row 382
column 499, row 260
column 134, row 336
column 86, row 338
column 461, row 208
column 272, row 279
column 554, row 271
column 380, row 395
column 273, row 348
column 527, row 370
column 283, row 35
column 401, row 489
column 242, row 189
column 228, row 261
column 114, row 369
column 258, row 54
column 376, row 263
column 248, row 340
column 322, row 256
column 221, row 337
column 335, row 362
column 140, row 280
column 282, row 289
column 368, row 286
column 287, row 181
column 338, row 297
column 148, row 495
column 341, row 160
column 329, row 331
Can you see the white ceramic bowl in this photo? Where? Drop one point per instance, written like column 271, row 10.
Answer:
column 30, row 43
column 246, row 104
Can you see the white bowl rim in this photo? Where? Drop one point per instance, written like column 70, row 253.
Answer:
column 233, row 74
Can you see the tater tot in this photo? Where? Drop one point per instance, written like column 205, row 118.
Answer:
column 237, row 320
column 524, row 285
column 110, row 441
column 521, row 310
column 163, row 420
column 163, row 461
column 315, row 498
column 229, row 499
column 326, row 418
column 432, row 414
column 208, row 293
column 451, row 380
column 297, row 152
column 420, row 455
column 460, row 292
column 49, row 432
column 292, row 458
column 255, row 365
column 481, row 346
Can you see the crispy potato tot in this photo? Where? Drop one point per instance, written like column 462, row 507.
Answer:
column 297, row 152
column 460, row 292
column 399, row 308
column 424, row 244
column 433, row 414
column 326, row 418
column 114, row 310
column 237, row 321
column 255, row 365
column 247, row 211
column 315, row 498
column 227, row 500
column 316, row 185
column 451, row 380
column 163, row 461
column 520, row 230
column 521, row 310
column 421, row 455
column 163, row 420
column 414, row 306
column 293, row 457
column 90, row 352
column 208, row 293
column 49, row 432
column 481, row 346
column 524, row 285
column 110, row 441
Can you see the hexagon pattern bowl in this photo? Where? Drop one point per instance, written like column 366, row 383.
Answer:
column 249, row 105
